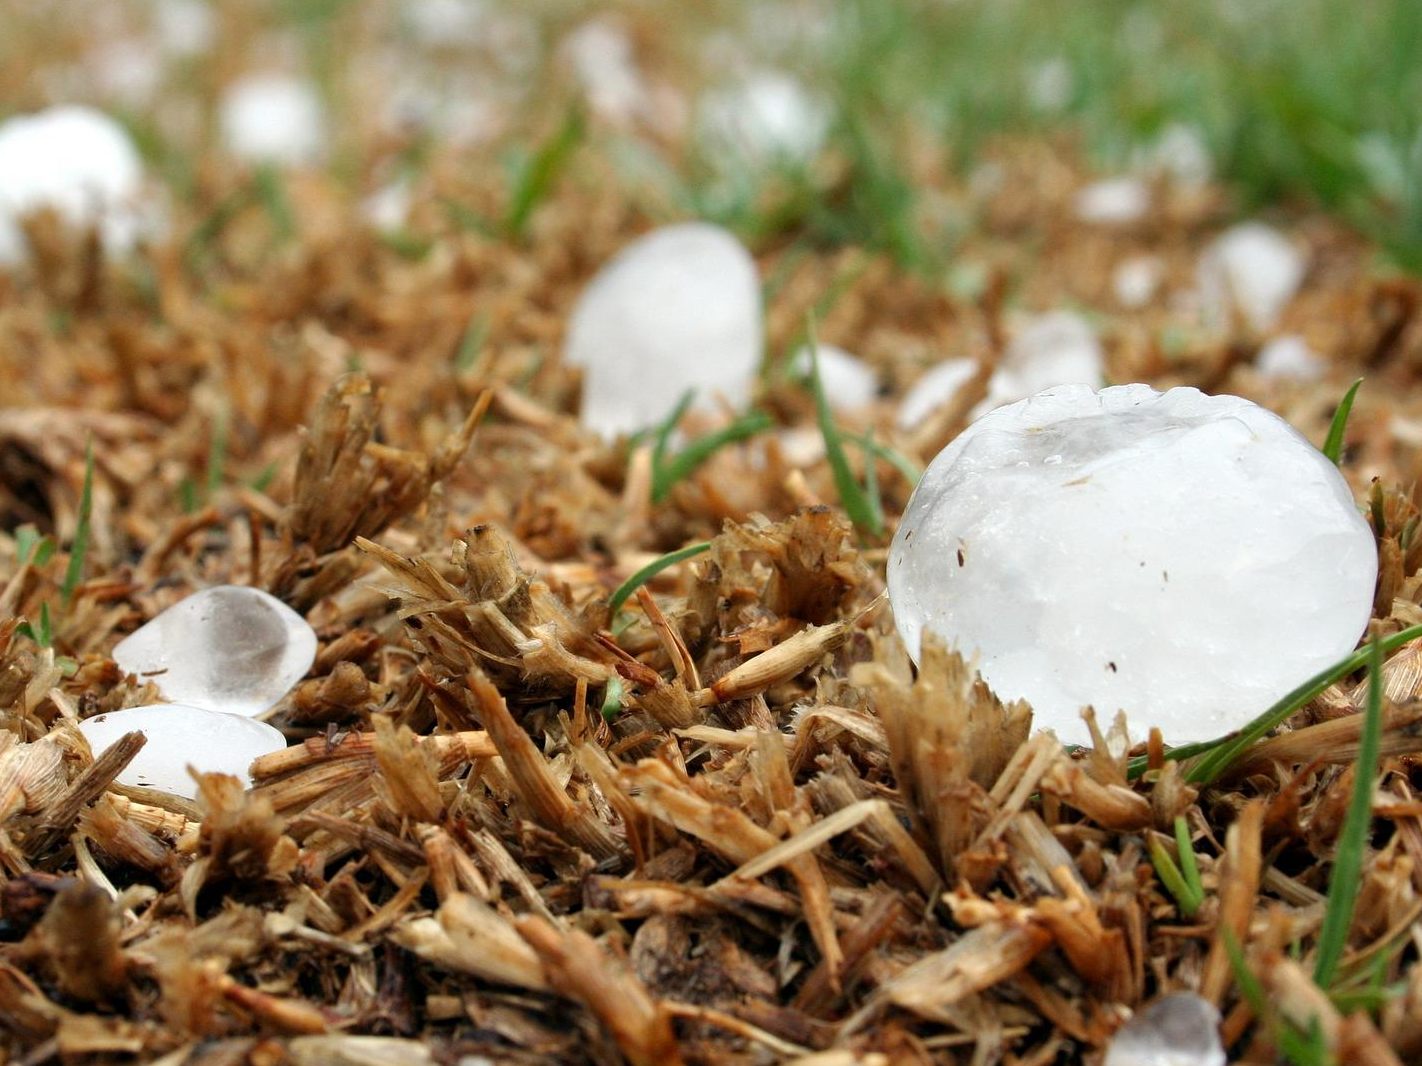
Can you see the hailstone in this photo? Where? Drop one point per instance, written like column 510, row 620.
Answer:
column 677, row 309
column 1253, row 269
column 1113, row 201
column 935, row 388
column 766, row 119
column 849, row 382
column 74, row 161
column 178, row 737
column 1181, row 1029
column 1290, row 357
column 1188, row 559
column 273, row 118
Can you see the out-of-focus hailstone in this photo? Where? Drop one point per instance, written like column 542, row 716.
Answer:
column 1057, row 348
column 1050, row 85
column 1181, row 152
column 273, row 118
column 934, row 389
column 767, row 118
column 1290, row 357
column 1253, row 269
column 1113, row 201
column 78, row 163
column 850, row 383
column 1186, row 558
column 185, row 27
column 677, row 309
column 602, row 58
column 1176, row 1030
column 1136, row 280
column 178, row 737
column 228, row 648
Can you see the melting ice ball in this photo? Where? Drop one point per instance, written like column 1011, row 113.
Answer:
column 676, row 309
column 178, row 737
column 1186, row 558
column 77, row 162
column 1253, row 269
column 229, row 648
column 1181, row 1029
column 273, row 118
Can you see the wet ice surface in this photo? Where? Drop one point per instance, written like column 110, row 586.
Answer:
column 1186, row 558
column 228, row 648
column 1176, row 1030
column 74, row 161
column 1252, row 270
column 179, row 737
column 677, row 309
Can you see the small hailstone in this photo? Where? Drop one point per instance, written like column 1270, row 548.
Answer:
column 1057, row 348
column 74, row 161
column 766, row 119
column 1113, row 201
column 1251, row 268
column 1186, row 558
column 677, row 309
column 1181, row 1029
column 1181, row 152
column 603, row 62
column 1290, row 357
column 273, row 118
column 1050, row 85
column 178, row 737
column 850, row 383
column 388, row 208
column 1136, row 280
column 229, row 648
column 185, row 27
column 933, row 390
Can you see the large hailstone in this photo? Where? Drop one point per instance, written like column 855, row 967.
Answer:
column 230, row 648
column 74, row 161
column 1186, row 558
column 274, row 119
column 676, row 309
column 178, row 737
column 1253, row 269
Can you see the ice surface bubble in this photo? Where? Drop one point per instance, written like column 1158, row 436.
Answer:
column 229, row 648
column 273, row 118
column 1253, row 269
column 850, row 383
column 677, row 309
column 179, row 737
column 1176, row 1030
column 74, row 161
column 1186, row 558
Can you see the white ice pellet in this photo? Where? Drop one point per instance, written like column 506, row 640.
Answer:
column 1186, row 558
column 935, row 388
column 1181, row 153
column 1252, row 269
column 768, row 118
column 677, row 309
column 1136, row 280
column 1290, row 357
column 78, row 163
column 601, row 54
column 178, row 737
column 1181, row 1029
column 273, row 118
column 1113, row 201
column 849, row 382
column 1056, row 348
column 229, row 648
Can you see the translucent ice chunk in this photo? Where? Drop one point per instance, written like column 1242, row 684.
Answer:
column 1176, row 1030
column 179, row 737
column 677, row 309
column 273, row 118
column 228, row 648
column 1253, row 269
column 1186, row 558
column 74, row 161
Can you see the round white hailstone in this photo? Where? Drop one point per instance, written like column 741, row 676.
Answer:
column 1113, row 202
column 933, row 390
column 1181, row 1029
column 850, row 383
column 1185, row 558
column 178, row 737
column 446, row 22
column 185, row 27
column 1057, row 348
column 1050, row 85
column 1250, row 268
column 127, row 71
column 1181, row 152
column 1136, row 280
column 273, row 118
column 74, row 161
column 602, row 59
column 768, row 118
column 677, row 309
column 229, row 648
column 388, row 208
column 1290, row 357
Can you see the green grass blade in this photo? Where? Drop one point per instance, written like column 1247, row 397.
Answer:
column 217, row 452
column 910, row 470
column 1172, row 878
column 680, row 466
column 863, row 509
column 271, row 190
column 1222, row 752
column 472, row 343
column 662, row 433
column 75, row 571
column 540, row 173
column 612, row 700
column 651, row 570
column 1353, row 840
column 1189, row 868
column 1333, row 443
